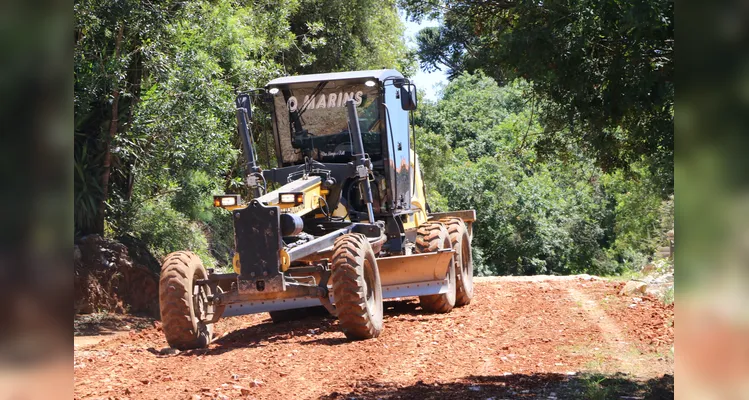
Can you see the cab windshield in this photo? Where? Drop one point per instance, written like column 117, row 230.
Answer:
column 312, row 120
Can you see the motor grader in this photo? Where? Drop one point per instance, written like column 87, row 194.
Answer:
column 347, row 225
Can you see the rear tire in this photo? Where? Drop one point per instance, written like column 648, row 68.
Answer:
column 356, row 287
column 464, row 260
column 430, row 238
column 180, row 309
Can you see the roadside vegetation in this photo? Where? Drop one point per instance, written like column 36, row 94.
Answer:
column 557, row 130
column 154, row 90
column 537, row 214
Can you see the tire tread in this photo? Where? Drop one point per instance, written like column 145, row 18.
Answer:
column 349, row 253
column 175, row 299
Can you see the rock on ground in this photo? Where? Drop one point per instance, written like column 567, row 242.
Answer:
column 633, row 288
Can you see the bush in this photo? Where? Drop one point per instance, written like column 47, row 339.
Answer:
column 220, row 229
column 638, row 216
column 535, row 215
column 479, row 266
column 165, row 230
column 194, row 197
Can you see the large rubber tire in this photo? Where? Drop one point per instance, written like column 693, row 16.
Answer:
column 432, row 237
column 464, row 260
column 179, row 320
column 357, row 290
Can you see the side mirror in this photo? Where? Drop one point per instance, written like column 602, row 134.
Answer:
column 243, row 101
column 408, row 97
column 399, row 82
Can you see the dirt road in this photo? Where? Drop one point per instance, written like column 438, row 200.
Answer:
column 519, row 338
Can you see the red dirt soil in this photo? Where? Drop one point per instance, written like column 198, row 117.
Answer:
column 516, row 339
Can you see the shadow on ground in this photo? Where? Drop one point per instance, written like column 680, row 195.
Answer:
column 109, row 323
column 313, row 323
column 532, row 386
column 266, row 333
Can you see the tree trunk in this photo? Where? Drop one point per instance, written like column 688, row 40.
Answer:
column 136, row 77
column 106, row 166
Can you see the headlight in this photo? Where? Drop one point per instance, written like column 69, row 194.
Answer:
column 228, row 200
column 291, row 198
column 287, row 198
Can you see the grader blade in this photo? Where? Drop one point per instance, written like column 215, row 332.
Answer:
column 258, row 306
column 414, row 275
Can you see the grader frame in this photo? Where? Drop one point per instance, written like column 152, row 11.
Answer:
column 323, row 237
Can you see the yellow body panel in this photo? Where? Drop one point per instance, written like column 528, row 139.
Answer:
column 313, row 199
column 232, row 208
column 418, row 200
column 285, row 260
column 235, row 263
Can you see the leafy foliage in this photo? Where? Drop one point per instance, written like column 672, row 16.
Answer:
column 535, row 215
column 167, row 230
column 154, row 95
column 603, row 68
column 348, row 35
column 155, row 131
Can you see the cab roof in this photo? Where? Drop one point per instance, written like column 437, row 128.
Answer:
column 378, row 74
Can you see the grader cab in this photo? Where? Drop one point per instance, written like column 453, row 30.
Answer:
column 346, row 227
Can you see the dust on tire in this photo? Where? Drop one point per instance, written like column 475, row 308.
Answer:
column 181, row 326
column 461, row 243
column 358, row 302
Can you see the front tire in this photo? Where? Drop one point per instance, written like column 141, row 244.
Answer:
column 464, row 260
column 430, row 238
column 357, row 290
column 181, row 311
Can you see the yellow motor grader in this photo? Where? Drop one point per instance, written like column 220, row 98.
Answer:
column 347, row 226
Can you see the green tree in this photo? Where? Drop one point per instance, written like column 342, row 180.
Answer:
column 348, row 35
column 535, row 214
column 154, row 102
column 604, row 68
column 108, row 65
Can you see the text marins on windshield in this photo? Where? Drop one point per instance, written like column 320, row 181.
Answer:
column 330, row 100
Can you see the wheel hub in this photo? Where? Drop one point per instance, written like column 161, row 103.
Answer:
column 200, row 301
column 368, row 286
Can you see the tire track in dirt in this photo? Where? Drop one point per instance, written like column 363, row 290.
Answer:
column 637, row 331
column 613, row 339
